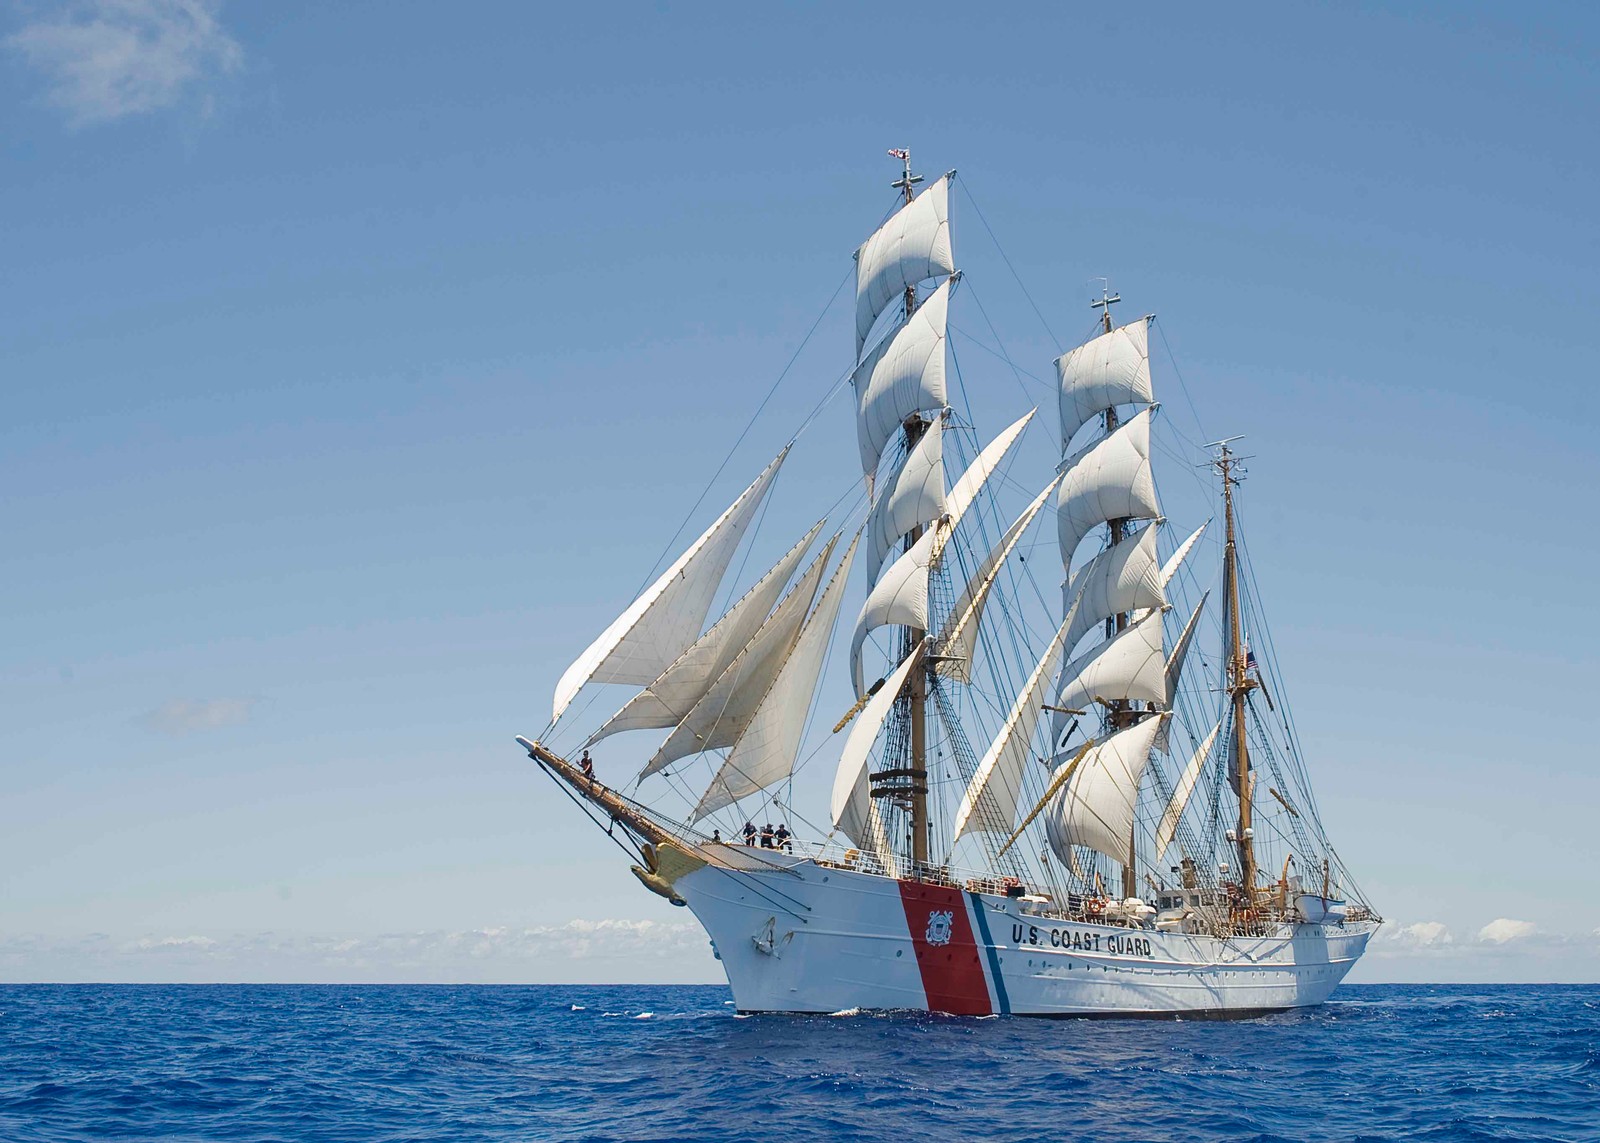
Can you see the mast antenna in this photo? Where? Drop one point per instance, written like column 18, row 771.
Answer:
column 1105, row 301
column 907, row 180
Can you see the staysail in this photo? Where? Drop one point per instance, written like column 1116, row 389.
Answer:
column 659, row 625
column 959, row 639
column 726, row 709
column 765, row 753
column 1167, row 829
column 990, row 802
column 674, row 692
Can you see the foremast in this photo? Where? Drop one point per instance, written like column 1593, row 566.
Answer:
column 914, row 776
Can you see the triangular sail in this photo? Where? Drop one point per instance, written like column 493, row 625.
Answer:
column 674, row 692
column 1167, row 829
column 726, row 709
column 851, row 806
column 1174, row 666
column 1110, row 480
column 1111, row 370
column 659, row 625
column 913, row 246
column 959, row 639
column 1175, row 561
column 766, row 751
column 1129, row 665
column 990, row 802
column 915, row 497
column 902, row 376
column 966, row 489
column 1095, row 808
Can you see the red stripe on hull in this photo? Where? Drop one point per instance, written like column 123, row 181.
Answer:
column 947, row 954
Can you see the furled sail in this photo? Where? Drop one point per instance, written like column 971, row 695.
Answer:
column 903, row 375
column 1110, row 480
column 1095, row 808
column 726, row 709
column 659, row 625
column 1113, row 369
column 766, row 751
column 913, row 246
column 990, row 802
column 901, row 593
column 1129, row 665
column 675, row 691
column 1125, row 577
column 959, row 639
column 1168, row 827
column 851, row 805
column 916, row 497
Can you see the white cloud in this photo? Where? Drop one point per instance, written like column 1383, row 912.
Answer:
column 1503, row 929
column 107, row 59
column 619, row 951
column 1421, row 935
column 180, row 716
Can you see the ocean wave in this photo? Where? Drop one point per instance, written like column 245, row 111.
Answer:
column 349, row 1065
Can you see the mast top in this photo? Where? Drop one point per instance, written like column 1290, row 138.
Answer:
column 907, row 180
column 1105, row 301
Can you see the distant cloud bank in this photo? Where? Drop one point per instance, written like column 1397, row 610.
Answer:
column 104, row 60
column 662, row 951
column 607, row 951
column 183, row 716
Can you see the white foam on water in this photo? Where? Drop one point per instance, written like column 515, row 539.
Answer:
column 644, row 1015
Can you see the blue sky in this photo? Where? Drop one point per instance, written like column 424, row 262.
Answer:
column 360, row 359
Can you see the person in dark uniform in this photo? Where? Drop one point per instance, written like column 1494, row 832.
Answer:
column 749, row 833
column 587, row 767
column 782, row 838
column 766, row 836
column 716, row 837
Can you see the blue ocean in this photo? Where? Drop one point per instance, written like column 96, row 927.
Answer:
column 373, row 1063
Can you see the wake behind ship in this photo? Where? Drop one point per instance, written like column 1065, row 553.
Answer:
column 1138, row 835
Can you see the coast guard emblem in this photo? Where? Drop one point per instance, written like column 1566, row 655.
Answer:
column 939, row 924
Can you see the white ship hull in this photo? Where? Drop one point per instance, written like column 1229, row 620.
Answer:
column 796, row 936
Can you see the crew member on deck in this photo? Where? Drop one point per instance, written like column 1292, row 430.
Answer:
column 749, row 833
column 782, row 838
column 766, row 836
column 716, row 837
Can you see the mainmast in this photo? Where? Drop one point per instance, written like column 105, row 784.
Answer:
column 914, row 427
column 1120, row 712
column 1240, row 684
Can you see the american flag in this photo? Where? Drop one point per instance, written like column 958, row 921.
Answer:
column 1250, row 660
column 897, row 153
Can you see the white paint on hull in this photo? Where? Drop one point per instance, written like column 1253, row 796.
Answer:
column 794, row 936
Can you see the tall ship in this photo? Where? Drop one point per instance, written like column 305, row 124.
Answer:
column 1096, row 808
